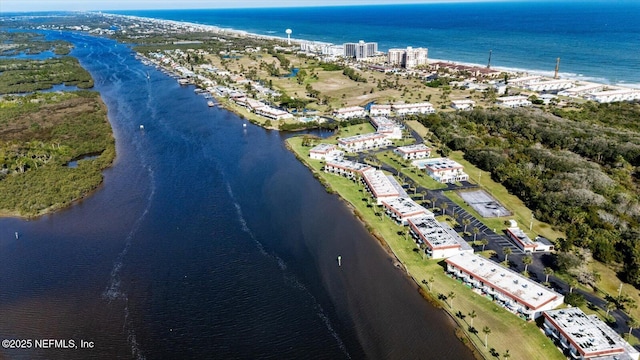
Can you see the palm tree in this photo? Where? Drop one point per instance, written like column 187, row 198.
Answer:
column 572, row 283
column 433, row 202
column 507, row 251
column 466, row 223
column 610, row 305
column 431, row 280
column 444, row 206
column 451, row 296
column 547, row 271
column 486, row 330
column 472, row 315
column 476, row 231
column 484, row 243
column 527, row 260
column 506, row 354
column 632, row 323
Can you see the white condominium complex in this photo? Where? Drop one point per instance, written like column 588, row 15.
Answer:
column 407, row 58
column 360, row 50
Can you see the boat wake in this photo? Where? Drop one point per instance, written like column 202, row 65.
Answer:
column 290, row 278
column 114, row 291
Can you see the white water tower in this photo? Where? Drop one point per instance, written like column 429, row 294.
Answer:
column 288, row 31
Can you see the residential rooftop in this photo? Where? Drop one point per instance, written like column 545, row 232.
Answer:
column 404, row 206
column 590, row 335
column 413, row 148
column 440, row 164
column 348, row 165
column 379, row 183
column 438, row 235
column 526, row 291
column 361, row 137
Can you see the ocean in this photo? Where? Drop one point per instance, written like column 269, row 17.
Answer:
column 595, row 40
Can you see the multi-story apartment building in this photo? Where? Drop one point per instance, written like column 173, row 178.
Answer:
column 360, row 50
column 408, row 58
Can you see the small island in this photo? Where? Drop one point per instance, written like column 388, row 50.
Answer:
column 54, row 145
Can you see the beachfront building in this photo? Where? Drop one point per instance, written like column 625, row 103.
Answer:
column 586, row 336
column 350, row 112
column 524, row 243
column 407, row 58
column 346, row 168
column 381, row 186
column 463, row 105
column 415, row 151
column 513, row 101
column 360, row 50
column 386, row 127
column 442, row 170
column 515, row 292
column 582, row 90
column 395, row 57
column 417, row 108
column 615, row 95
column 440, row 239
column 549, row 85
column 404, row 208
column 380, row 110
column 364, row 142
column 325, row 152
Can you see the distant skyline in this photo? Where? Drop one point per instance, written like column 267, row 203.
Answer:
column 85, row 5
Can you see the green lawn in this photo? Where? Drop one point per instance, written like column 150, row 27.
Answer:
column 520, row 212
column 505, row 326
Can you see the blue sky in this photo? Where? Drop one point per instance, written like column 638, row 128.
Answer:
column 82, row 5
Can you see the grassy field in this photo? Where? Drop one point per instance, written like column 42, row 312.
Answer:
column 504, row 326
column 337, row 88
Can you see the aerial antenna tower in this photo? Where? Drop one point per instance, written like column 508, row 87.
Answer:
column 489, row 63
column 555, row 76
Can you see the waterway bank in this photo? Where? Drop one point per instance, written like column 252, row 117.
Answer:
column 431, row 279
column 207, row 238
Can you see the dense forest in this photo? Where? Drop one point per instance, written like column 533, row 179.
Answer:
column 21, row 76
column 576, row 169
column 39, row 135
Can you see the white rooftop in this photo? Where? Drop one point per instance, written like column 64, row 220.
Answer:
column 438, row 235
column 411, row 106
column 362, row 137
column 348, row 164
column 524, row 238
column 440, row 164
column 379, row 121
column 323, row 147
column 406, row 206
column 527, row 292
column 588, row 333
column 379, row 184
column 413, row 148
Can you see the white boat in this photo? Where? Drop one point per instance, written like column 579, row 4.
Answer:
column 211, row 103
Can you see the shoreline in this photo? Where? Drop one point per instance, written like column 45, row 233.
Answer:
column 512, row 70
column 415, row 270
